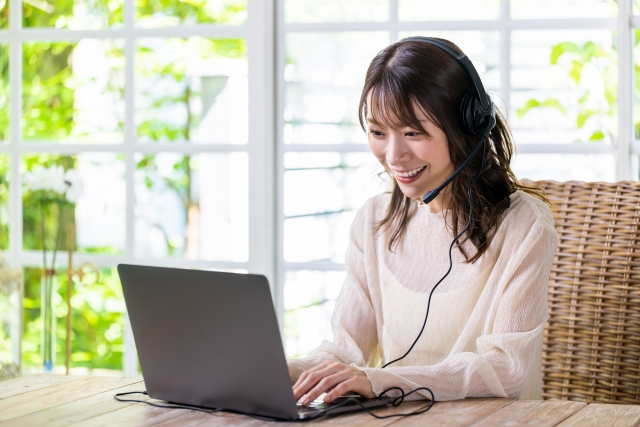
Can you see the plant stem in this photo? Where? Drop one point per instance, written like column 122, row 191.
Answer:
column 44, row 243
column 55, row 250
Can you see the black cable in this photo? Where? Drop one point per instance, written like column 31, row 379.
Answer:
column 396, row 402
column 470, row 194
column 190, row 407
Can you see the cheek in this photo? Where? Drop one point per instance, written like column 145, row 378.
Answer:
column 432, row 152
column 377, row 148
column 425, row 151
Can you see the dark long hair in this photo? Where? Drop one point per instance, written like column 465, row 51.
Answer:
column 411, row 74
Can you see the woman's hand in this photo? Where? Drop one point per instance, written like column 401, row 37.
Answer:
column 332, row 378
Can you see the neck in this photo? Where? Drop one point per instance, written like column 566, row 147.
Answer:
column 438, row 204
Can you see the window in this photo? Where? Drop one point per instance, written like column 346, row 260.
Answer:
column 151, row 104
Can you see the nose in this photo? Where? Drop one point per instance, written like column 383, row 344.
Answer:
column 397, row 150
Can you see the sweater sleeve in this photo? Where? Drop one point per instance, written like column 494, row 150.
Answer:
column 353, row 320
column 504, row 357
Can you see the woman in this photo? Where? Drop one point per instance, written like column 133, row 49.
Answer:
column 483, row 334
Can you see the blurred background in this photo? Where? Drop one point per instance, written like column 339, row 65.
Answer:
column 223, row 134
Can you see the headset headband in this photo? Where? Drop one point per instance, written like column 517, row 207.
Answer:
column 464, row 62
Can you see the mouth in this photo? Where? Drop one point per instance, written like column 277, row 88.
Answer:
column 410, row 176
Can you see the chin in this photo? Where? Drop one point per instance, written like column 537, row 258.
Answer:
column 412, row 193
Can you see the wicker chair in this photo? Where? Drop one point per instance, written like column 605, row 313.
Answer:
column 591, row 349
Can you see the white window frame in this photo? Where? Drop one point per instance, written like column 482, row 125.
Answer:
column 258, row 33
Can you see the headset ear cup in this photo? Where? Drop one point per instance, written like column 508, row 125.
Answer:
column 468, row 105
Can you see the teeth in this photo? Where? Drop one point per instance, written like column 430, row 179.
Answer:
column 410, row 173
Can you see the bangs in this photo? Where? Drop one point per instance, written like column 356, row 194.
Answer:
column 390, row 104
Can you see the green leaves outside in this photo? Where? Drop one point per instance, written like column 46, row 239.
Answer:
column 573, row 58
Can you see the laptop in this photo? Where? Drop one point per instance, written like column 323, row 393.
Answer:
column 211, row 339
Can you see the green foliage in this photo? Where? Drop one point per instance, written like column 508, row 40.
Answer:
column 534, row 103
column 59, row 14
column 573, row 58
column 165, row 65
column 4, row 13
column 172, row 12
column 47, row 100
column 4, row 92
column 4, row 202
column 5, row 332
column 47, row 86
column 97, row 321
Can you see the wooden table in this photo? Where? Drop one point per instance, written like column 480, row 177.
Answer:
column 57, row 400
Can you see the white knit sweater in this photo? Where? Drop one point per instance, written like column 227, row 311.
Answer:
column 484, row 332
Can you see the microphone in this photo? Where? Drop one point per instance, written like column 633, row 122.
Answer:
column 427, row 198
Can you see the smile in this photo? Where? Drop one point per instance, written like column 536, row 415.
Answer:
column 410, row 176
column 410, row 173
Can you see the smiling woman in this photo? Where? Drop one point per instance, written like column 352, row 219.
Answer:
column 485, row 301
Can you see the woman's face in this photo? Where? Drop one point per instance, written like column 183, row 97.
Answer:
column 418, row 162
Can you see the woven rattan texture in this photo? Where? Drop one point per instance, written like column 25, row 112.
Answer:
column 591, row 349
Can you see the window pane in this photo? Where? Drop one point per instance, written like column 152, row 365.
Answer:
column 97, row 323
column 482, row 48
column 167, row 13
column 4, row 93
column 309, row 298
column 322, row 192
column 193, row 207
column 335, row 10
column 565, row 85
column 451, row 10
column 565, row 167
column 545, row 9
column 192, row 89
column 73, row 92
column 101, row 202
column 72, row 14
column 4, row 202
column 323, row 84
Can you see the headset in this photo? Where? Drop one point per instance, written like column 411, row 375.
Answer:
column 477, row 113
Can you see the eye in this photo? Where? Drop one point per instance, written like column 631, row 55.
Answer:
column 376, row 133
column 412, row 134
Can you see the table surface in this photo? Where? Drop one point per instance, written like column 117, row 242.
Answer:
column 56, row 400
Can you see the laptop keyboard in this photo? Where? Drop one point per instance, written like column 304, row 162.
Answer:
column 316, row 404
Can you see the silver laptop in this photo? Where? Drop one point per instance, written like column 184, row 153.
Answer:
column 211, row 339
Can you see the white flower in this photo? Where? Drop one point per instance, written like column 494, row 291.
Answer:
column 34, row 180
column 74, row 184
column 55, row 176
column 46, row 179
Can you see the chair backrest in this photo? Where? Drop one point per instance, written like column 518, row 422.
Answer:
column 591, row 349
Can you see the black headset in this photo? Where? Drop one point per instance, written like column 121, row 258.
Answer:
column 476, row 112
